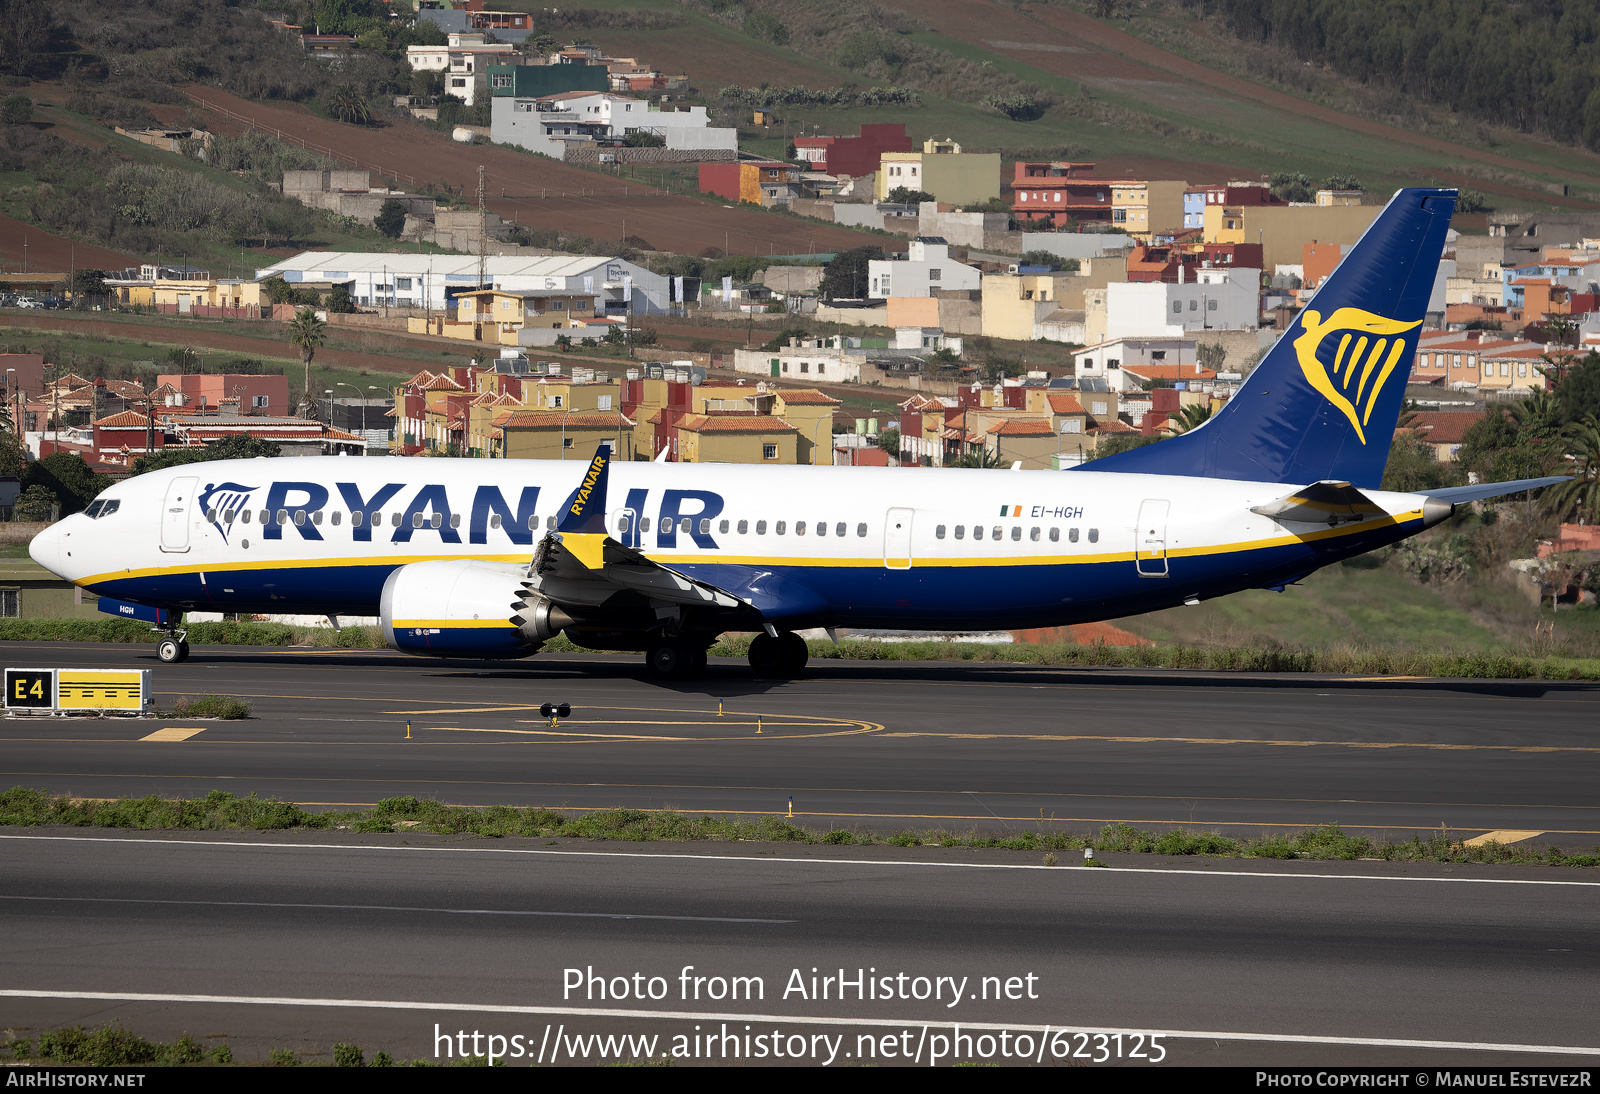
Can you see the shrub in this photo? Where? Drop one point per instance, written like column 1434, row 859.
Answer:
column 348, row 1056
column 16, row 109
column 211, row 706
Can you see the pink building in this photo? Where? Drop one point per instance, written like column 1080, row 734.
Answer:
column 259, row 395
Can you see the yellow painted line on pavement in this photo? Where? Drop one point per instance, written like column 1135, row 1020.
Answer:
column 1243, row 741
column 173, row 734
column 1501, row 836
column 1380, row 679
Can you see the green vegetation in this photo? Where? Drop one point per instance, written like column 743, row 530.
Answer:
column 211, row 706
column 1479, row 59
column 25, row 807
column 110, row 1046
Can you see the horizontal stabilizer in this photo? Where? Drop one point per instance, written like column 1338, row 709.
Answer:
column 1329, row 502
column 1455, row 495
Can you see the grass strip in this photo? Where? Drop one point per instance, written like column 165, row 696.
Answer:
column 26, row 807
column 114, row 1046
column 1337, row 660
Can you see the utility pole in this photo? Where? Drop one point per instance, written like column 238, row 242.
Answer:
column 483, row 233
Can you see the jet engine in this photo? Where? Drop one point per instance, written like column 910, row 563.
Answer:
column 466, row 608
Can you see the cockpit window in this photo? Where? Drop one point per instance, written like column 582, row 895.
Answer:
column 102, row 508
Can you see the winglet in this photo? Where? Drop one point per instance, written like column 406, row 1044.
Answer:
column 585, row 510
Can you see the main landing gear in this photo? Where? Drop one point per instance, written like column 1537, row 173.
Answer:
column 779, row 658
column 672, row 657
column 173, row 648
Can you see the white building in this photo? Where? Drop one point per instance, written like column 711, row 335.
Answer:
column 930, row 339
column 1105, row 360
column 1220, row 299
column 927, row 266
column 432, row 281
column 830, row 360
column 547, row 123
column 459, row 61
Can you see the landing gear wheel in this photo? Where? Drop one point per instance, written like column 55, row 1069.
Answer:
column 670, row 659
column 172, row 651
column 766, row 656
column 795, row 653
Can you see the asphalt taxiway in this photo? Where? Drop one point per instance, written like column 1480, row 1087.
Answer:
column 882, row 744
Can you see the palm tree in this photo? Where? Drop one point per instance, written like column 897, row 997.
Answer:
column 1580, row 496
column 1189, row 417
column 349, row 105
column 308, row 332
column 981, row 458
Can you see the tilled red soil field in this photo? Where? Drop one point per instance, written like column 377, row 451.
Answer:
column 25, row 243
column 541, row 192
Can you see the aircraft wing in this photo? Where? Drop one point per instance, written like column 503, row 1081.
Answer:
column 588, row 569
column 579, row 565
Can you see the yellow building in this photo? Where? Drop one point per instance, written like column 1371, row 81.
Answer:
column 1143, row 208
column 811, row 413
column 1013, row 304
column 547, row 435
column 183, row 295
column 1284, row 230
column 737, row 438
column 943, row 170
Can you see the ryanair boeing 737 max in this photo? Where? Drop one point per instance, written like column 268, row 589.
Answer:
column 490, row 558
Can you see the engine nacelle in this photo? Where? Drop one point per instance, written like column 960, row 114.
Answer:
column 466, row 608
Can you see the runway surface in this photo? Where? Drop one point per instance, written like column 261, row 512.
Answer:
column 881, row 744
column 300, row 942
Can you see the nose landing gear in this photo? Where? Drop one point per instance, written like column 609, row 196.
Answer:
column 173, row 648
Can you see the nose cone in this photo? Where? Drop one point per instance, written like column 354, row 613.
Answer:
column 45, row 549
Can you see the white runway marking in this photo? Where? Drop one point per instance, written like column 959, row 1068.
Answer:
column 1138, row 871
column 390, row 908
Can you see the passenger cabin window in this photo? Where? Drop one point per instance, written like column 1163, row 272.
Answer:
column 1055, row 535
column 779, row 527
column 644, row 524
column 761, row 527
column 316, row 518
column 705, row 527
column 335, row 518
column 494, row 520
column 622, row 524
column 355, row 519
column 961, row 531
column 861, row 530
column 799, row 527
column 1033, row 535
column 822, row 527
column 1094, row 535
column 839, row 529
column 1072, row 535
column 938, row 532
column 723, row 527
column 997, row 533
column 744, row 527
column 1016, row 533
column 455, row 520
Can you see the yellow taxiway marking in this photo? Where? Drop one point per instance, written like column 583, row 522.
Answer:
column 1379, row 679
column 845, row 729
column 174, row 734
column 1501, row 836
column 1243, row 741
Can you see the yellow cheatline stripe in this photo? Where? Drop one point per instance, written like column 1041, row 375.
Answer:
column 667, row 558
column 1240, row 741
column 174, row 734
column 1501, row 836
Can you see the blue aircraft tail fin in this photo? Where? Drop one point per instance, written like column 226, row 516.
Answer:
column 1323, row 402
column 585, row 510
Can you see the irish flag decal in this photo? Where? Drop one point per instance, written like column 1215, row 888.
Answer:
column 1011, row 510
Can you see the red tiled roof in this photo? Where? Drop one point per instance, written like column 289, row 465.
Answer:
column 1065, row 404
column 807, row 396
column 1444, row 426
column 736, row 423
column 1034, row 428
column 545, row 419
column 1113, row 425
column 1170, row 372
column 128, row 419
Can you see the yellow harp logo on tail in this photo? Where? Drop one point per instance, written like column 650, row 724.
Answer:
column 1369, row 346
